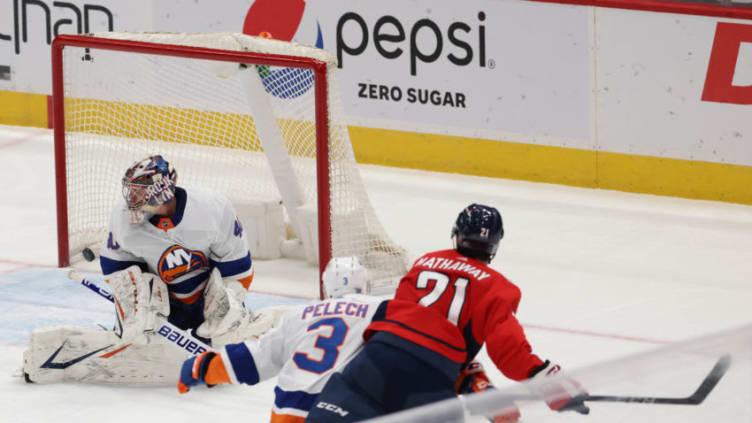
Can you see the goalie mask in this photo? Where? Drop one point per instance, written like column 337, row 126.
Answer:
column 344, row 275
column 148, row 184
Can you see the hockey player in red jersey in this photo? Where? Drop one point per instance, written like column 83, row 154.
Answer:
column 446, row 307
column 308, row 345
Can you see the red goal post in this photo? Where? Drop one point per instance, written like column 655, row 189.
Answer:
column 119, row 96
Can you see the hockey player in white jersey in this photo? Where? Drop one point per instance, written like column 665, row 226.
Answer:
column 309, row 344
column 180, row 236
column 171, row 252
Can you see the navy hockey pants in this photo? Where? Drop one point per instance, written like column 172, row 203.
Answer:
column 186, row 316
column 385, row 378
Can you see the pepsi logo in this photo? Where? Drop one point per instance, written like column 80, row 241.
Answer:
column 280, row 20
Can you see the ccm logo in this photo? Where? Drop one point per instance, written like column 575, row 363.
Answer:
column 723, row 64
column 333, row 408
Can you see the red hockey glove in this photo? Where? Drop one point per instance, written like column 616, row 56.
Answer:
column 560, row 394
column 473, row 379
column 206, row 368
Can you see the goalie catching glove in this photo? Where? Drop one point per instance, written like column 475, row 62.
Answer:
column 223, row 306
column 206, row 368
column 226, row 320
column 560, row 393
column 474, row 379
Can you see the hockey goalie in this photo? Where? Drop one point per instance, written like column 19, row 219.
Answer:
column 172, row 255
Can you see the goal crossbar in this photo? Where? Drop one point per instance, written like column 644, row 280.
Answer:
column 319, row 68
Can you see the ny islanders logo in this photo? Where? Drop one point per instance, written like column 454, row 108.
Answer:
column 178, row 260
column 280, row 20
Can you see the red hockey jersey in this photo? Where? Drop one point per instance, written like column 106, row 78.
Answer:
column 453, row 304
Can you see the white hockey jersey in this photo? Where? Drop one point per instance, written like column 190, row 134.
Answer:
column 204, row 233
column 309, row 344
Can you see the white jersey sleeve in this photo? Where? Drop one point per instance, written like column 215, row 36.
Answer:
column 229, row 251
column 114, row 255
column 182, row 249
column 310, row 343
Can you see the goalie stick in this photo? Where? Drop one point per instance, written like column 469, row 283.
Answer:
column 173, row 334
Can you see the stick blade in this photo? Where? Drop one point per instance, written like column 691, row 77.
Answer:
column 707, row 385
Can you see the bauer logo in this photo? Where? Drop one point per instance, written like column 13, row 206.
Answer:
column 180, row 340
column 280, row 20
column 178, row 260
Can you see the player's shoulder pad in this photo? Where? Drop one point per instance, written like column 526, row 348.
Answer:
column 207, row 197
column 361, row 298
column 498, row 277
column 120, row 219
column 214, row 207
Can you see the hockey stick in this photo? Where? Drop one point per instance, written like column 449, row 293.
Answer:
column 702, row 392
column 173, row 334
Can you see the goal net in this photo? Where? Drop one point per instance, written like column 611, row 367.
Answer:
column 259, row 120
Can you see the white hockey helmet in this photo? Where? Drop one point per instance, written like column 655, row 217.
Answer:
column 344, row 275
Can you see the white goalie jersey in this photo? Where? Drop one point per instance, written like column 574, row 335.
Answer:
column 204, row 233
column 310, row 343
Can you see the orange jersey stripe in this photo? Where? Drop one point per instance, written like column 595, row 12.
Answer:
column 189, row 300
column 246, row 282
column 286, row 418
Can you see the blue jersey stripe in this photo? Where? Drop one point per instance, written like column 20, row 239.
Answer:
column 189, row 285
column 299, row 400
column 242, row 363
column 111, row 266
column 234, row 267
column 180, row 201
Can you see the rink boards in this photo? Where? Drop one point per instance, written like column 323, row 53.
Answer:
column 556, row 93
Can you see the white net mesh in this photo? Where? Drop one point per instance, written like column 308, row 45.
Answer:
column 122, row 106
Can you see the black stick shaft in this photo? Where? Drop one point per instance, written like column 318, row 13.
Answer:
column 707, row 385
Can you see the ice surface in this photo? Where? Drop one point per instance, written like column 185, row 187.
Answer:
column 604, row 275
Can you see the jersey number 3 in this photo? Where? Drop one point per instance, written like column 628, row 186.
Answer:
column 442, row 282
column 329, row 344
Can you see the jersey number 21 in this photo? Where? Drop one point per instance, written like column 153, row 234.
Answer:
column 442, row 282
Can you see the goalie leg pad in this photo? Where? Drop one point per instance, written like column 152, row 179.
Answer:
column 67, row 353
